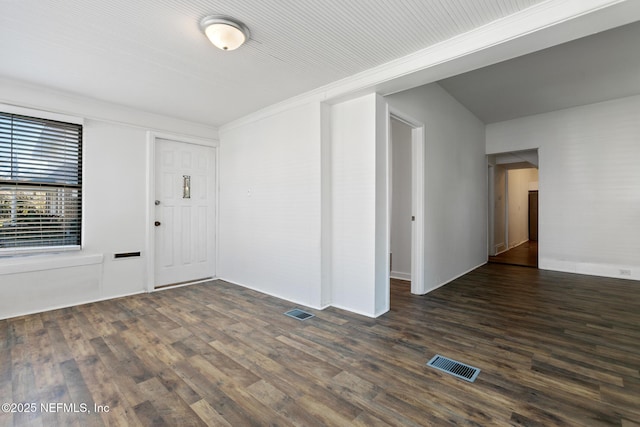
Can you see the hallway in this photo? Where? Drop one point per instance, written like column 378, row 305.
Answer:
column 525, row 255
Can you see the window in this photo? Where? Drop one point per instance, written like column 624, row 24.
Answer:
column 40, row 184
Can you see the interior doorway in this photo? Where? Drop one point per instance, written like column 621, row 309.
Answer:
column 406, row 201
column 513, row 208
column 401, row 207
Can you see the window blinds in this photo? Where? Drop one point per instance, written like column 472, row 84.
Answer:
column 40, row 183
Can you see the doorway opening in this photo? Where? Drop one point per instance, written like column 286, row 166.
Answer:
column 513, row 208
column 406, row 202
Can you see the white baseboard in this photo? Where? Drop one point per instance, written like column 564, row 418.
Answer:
column 400, row 275
column 302, row 304
column 380, row 313
column 591, row 269
column 262, row 291
column 195, row 282
column 518, row 244
column 351, row 310
column 454, row 278
column 58, row 307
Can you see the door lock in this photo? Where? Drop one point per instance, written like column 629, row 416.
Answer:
column 157, row 202
column 157, row 223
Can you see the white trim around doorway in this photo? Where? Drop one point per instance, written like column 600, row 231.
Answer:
column 417, row 196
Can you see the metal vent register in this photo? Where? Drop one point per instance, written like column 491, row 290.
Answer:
column 296, row 313
column 455, row 368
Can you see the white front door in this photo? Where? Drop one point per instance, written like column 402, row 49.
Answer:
column 184, row 212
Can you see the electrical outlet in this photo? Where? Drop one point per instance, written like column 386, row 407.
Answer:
column 625, row 272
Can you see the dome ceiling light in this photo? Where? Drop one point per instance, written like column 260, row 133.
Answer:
column 224, row 32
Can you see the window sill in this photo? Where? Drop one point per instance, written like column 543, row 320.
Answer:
column 28, row 264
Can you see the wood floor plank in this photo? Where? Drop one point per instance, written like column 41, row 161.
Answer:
column 209, row 415
column 125, row 375
column 149, row 416
column 227, row 408
column 554, row 349
column 173, row 411
column 24, row 388
column 626, row 398
column 368, row 420
column 288, row 378
column 268, row 395
column 237, row 392
column 574, row 369
column 79, row 394
column 324, row 414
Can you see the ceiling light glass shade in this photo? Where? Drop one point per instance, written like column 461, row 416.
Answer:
column 225, row 33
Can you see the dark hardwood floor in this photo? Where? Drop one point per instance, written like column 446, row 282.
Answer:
column 554, row 349
column 525, row 255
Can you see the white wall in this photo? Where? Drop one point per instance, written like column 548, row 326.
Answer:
column 303, row 205
column 518, row 198
column 281, row 176
column 353, row 154
column 455, row 182
column 114, row 210
column 270, row 205
column 400, row 200
column 381, row 143
column 589, row 202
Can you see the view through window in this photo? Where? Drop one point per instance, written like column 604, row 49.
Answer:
column 40, row 183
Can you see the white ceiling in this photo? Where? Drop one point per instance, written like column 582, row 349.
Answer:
column 597, row 68
column 151, row 55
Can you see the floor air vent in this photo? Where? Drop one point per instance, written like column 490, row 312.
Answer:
column 457, row 369
column 296, row 313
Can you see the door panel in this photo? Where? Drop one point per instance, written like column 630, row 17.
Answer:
column 533, row 215
column 185, row 238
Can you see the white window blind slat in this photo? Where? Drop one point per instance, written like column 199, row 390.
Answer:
column 40, row 183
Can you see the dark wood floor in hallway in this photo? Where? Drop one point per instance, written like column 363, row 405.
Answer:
column 525, row 255
column 554, row 349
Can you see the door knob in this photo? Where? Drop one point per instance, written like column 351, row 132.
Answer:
column 157, row 223
column 157, row 202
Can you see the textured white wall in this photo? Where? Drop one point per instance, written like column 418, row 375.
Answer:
column 381, row 262
column 353, row 154
column 455, row 182
column 302, row 205
column 270, row 205
column 114, row 218
column 114, row 210
column 401, row 200
column 589, row 214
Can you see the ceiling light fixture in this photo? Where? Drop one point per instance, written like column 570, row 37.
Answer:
column 225, row 33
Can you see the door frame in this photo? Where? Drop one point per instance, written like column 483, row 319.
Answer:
column 150, row 241
column 491, row 199
column 491, row 248
column 417, row 196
